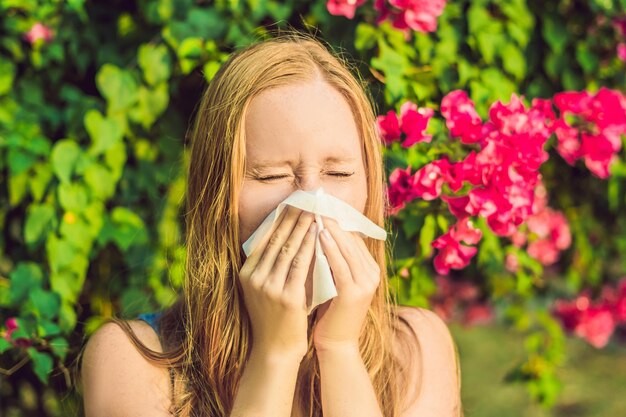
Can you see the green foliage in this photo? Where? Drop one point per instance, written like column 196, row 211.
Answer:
column 91, row 151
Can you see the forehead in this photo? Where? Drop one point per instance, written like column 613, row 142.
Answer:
column 302, row 121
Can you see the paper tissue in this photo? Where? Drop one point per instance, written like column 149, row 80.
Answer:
column 321, row 204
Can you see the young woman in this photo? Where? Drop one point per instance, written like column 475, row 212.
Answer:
column 280, row 115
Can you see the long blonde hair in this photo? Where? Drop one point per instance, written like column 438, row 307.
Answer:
column 206, row 335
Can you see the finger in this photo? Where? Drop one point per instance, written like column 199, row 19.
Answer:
column 338, row 265
column 276, row 240
column 257, row 253
column 301, row 263
column 289, row 250
column 347, row 247
column 366, row 256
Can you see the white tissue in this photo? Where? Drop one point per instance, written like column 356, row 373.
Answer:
column 321, row 204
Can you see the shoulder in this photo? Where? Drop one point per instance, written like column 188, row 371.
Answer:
column 437, row 370
column 117, row 380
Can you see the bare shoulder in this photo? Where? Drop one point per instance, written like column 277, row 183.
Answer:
column 438, row 376
column 117, row 380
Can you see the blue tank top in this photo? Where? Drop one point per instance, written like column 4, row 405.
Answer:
column 152, row 319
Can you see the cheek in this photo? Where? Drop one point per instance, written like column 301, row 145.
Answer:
column 255, row 203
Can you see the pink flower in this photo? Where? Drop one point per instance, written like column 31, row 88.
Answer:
column 595, row 133
column 460, row 300
column 400, row 189
column 452, row 254
column 594, row 323
column 461, row 117
column 389, row 127
column 615, row 298
column 621, row 51
column 419, row 15
column 39, row 31
column 457, row 205
column 552, row 235
column 511, row 262
column 11, row 325
column 596, row 326
column 620, row 26
column 345, row 8
column 478, row 314
column 464, row 231
column 414, row 121
column 430, row 178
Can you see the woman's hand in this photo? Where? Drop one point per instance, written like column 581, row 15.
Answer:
column 357, row 275
column 273, row 278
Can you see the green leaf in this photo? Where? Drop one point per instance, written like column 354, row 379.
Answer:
column 68, row 285
column 104, row 132
column 39, row 180
column 155, row 63
column 4, row 345
column 100, row 181
column 7, row 76
column 38, row 219
column 393, row 66
column 67, row 317
column 152, row 102
column 47, row 328
column 60, row 253
column 64, row 157
column 366, row 37
column 204, row 23
column 427, row 235
column 46, row 304
column 586, row 58
column 210, row 69
column 118, row 86
column 20, row 160
column 42, row 364
column 555, row 33
column 124, row 227
column 513, row 61
column 60, row 347
column 17, row 188
column 24, row 278
column 72, row 196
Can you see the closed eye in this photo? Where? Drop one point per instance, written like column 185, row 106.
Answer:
column 337, row 174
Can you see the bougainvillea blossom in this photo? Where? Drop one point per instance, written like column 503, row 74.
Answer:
column 345, row 8
column 410, row 15
column 590, row 128
column 412, row 121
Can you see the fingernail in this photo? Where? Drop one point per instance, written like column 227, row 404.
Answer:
column 326, row 234
column 312, row 227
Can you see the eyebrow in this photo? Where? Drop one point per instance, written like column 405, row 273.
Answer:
column 267, row 163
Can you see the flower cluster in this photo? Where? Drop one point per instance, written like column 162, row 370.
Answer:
column 500, row 176
column 460, row 301
column 590, row 128
column 594, row 321
column 404, row 15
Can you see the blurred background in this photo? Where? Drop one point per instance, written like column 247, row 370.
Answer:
column 502, row 124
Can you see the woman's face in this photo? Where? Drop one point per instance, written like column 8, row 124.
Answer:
column 305, row 137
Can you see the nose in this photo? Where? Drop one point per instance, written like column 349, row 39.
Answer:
column 308, row 182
